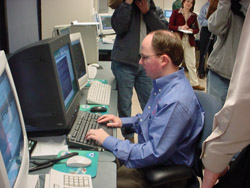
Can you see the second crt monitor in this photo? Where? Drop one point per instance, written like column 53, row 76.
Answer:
column 89, row 35
column 79, row 58
column 105, row 24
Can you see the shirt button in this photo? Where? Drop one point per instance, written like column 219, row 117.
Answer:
column 159, row 90
column 149, row 107
column 140, row 119
column 155, row 93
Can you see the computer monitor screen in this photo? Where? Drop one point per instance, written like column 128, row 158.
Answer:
column 79, row 59
column 66, row 74
column 167, row 13
column 105, row 24
column 14, row 159
column 47, row 86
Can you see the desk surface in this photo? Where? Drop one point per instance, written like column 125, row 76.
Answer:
column 106, row 172
column 106, row 175
column 105, row 72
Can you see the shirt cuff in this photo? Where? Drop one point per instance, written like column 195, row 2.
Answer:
column 127, row 121
column 110, row 143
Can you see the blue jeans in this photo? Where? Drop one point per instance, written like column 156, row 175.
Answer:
column 127, row 77
column 217, row 86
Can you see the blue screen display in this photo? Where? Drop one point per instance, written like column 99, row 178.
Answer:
column 106, row 22
column 11, row 137
column 66, row 74
column 167, row 13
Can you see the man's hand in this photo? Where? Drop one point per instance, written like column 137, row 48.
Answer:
column 210, row 178
column 142, row 5
column 97, row 134
column 115, row 121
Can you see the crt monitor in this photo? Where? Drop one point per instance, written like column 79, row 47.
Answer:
column 47, row 86
column 14, row 155
column 105, row 24
column 89, row 35
column 61, row 30
column 167, row 13
column 79, row 59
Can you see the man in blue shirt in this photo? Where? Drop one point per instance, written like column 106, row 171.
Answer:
column 172, row 119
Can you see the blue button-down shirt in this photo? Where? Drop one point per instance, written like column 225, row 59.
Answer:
column 167, row 129
column 202, row 18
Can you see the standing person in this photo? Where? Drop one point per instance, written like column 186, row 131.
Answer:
column 232, row 126
column 171, row 121
column 132, row 20
column 184, row 22
column 226, row 23
column 204, row 39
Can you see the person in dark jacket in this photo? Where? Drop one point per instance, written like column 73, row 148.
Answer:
column 132, row 20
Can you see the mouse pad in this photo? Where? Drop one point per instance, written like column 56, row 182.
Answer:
column 90, row 170
column 100, row 80
column 87, row 107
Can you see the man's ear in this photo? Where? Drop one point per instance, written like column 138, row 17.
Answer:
column 165, row 60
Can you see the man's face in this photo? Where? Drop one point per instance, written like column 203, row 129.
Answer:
column 150, row 61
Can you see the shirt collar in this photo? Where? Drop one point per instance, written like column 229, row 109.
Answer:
column 171, row 78
column 181, row 11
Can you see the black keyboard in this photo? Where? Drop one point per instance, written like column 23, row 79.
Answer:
column 84, row 122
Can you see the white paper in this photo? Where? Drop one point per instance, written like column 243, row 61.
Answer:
column 186, row 31
column 49, row 145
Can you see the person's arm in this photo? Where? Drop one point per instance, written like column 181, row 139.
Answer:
column 165, row 132
column 194, row 27
column 218, row 22
column 154, row 20
column 210, row 178
column 161, row 16
column 231, row 124
column 120, row 19
column 173, row 23
column 202, row 17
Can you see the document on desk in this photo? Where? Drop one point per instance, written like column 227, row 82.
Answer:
column 49, row 145
column 57, row 179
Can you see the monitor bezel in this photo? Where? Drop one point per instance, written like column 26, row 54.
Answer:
column 106, row 31
column 22, row 177
column 82, row 81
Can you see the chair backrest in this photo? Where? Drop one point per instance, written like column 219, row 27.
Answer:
column 211, row 106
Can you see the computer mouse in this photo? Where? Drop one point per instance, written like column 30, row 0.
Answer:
column 98, row 109
column 78, row 161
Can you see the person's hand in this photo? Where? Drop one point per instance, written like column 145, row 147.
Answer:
column 185, row 27
column 98, row 135
column 129, row 1
column 142, row 5
column 115, row 121
column 212, row 7
column 210, row 178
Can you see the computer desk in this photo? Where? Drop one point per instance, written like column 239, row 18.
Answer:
column 106, row 171
column 104, row 51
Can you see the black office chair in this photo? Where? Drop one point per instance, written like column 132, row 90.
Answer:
column 182, row 176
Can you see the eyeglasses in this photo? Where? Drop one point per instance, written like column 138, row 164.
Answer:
column 145, row 57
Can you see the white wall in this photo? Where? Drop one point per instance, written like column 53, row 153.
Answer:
column 167, row 4
column 61, row 12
